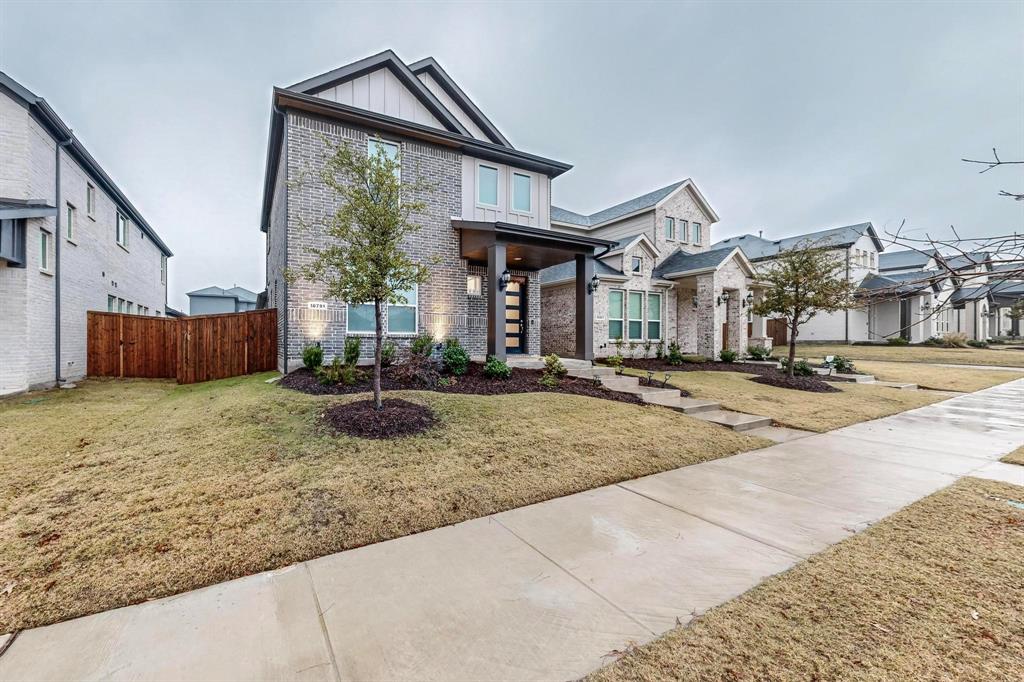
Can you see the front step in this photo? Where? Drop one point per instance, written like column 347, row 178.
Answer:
column 856, row 378
column 592, row 372
column 896, row 384
column 681, row 404
column 737, row 421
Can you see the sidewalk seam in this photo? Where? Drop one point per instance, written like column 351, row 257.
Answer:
column 323, row 623
column 573, row 576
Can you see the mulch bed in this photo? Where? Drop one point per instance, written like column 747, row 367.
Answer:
column 473, row 382
column 397, row 418
column 655, row 365
column 783, row 380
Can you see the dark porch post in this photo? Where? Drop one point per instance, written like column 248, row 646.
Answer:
column 495, row 301
column 584, row 307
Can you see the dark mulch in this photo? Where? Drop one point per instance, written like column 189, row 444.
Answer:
column 655, row 365
column 397, row 418
column 783, row 380
column 474, row 382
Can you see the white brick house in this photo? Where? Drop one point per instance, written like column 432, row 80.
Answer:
column 70, row 241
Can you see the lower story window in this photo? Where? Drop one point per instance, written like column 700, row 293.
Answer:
column 361, row 318
column 636, row 315
column 402, row 317
column 44, row 250
column 654, row 317
column 614, row 314
column 474, row 285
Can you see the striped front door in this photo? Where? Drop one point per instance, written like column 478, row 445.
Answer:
column 515, row 317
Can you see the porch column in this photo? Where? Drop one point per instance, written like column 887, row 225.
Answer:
column 495, row 301
column 584, row 307
column 759, row 332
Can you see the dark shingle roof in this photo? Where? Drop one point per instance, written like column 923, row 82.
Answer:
column 567, row 270
column 901, row 260
column 687, row 262
column 970, row 293
column 639, row 203
column 757, row 248
column 900, row 285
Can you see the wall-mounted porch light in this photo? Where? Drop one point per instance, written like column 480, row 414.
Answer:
column 504, row 280
column 696, row 303
column 592, row 284
column 724, row 298
column 749, row 299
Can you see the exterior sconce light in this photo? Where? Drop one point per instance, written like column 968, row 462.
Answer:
column 695, row 303
column 927, row 305
column 749, row 299
column 504, row 280
column 592, row 284
column 724, row 298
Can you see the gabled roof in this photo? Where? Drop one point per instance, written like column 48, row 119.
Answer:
column 681, row 264
column 757, row 248
column 389, row 60
column 902, row 260
column 906, row 284
column 634, row 205
column 240, row 293
column 627, row 243
column 429, row 65
column 48, row 118
column 565, row 272
column 964, row 294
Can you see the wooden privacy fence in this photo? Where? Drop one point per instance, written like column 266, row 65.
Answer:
column 189, row 349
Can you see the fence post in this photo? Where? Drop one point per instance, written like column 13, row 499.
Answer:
column 120, row 347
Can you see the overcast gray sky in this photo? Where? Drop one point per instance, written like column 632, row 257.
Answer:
column 789, row 116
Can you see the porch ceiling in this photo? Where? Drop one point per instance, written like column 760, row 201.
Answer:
column 526, row 248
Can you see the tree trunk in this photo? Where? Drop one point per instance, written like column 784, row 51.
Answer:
column 792, row 349
column 378, row 340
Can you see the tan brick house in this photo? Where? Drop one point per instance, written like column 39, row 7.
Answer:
column 658, row 283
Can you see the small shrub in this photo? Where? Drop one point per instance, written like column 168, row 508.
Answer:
column 454, row 358
column 675, row 357
column 496, row 369
column 388, row 353
column 843, row 365
column 647, row 348
column 932, row 341
column 632, row 349
column 954, row 340
column 422, row 345
column 313, row 356
column 659, row 350
column 554, row 370
column 728, row 355
column 977, row 344
column 694, row 359
column 339, row 373
column 897, row 341
column 353, row 344
column 417, row 369
column 758, row 353
column 613, row 361
column 801, row 368
column 548, row 381
column 618, row 346
column 447, row 382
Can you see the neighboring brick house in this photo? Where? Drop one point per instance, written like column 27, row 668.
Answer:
column 487, row 218
column 214, row 300
column 70, row 241
column 659, row 283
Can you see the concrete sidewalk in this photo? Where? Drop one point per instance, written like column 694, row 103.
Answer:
column 548, row 591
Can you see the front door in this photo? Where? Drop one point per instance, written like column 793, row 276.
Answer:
column 905, row 318
column 515, row 316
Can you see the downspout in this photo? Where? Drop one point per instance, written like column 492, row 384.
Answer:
column 847, row 311
column 284, row 154
column 57, row 239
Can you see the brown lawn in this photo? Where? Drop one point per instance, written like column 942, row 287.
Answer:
column 117, row 492
column 1015, row 457
column 933, row 592
column 938, row 378
column 1005, row 357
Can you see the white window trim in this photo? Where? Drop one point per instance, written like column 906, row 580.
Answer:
column 670, row 234
column 44, row 252
column 632, row 270
column 497, row 186
column 416, row 315
column 661, row 316
column 622, row 312
column 480, row 288
column 370, row 141
column 348, row 322
column 90, row 200
column 163, row 269
column 512, row 193
column 71, row 218
column 683, row 231
column 118, row 217
column 641, row 319
column 698, row 233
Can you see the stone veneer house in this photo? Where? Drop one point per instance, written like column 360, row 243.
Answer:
column 488, row 218
column 70, row 241
column 660, row 282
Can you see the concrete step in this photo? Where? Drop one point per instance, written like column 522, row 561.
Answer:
column 681, row 404
column 896, row 384
column 857, row 378
column 591, row 372
column 619, row 382
column 653, row 394
column 737, row 421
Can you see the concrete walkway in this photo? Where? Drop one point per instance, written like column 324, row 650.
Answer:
column 547, row 591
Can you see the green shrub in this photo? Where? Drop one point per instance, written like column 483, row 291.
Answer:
column 548, row 381
column 954, row 340
column 977, row 344
column 313, row 356
column 694, row 358
column 496, row 369
column 659, row 350
column 447, row 382
column 932, row 341
column 613, row 361
column 339, row 373
column 554, row 370
column 758, row 353
column 897, row 341
column 388, row 353
column 422, row 345
column 843, row 365
column 454, row 358
column 675, row 357
column 801, row 368
column 727, row 355
column 353, row 344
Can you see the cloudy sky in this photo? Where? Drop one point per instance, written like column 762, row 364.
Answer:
column 789, row 116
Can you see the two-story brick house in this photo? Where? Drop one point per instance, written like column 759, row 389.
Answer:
column 70, row 241
column 486, row 232
column 660, row 282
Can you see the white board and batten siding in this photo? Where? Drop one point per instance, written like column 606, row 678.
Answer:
column 540, row 196
column 381, row 92
column 642, row 223
column 457, row 111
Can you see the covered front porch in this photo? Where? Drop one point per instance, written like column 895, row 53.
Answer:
column 513, row 314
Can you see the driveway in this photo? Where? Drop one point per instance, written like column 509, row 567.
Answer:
column 546, row 591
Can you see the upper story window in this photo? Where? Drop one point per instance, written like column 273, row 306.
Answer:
column 521, row 200
column 121, row 231
column 873, row 261
column 696, row 233
column 111, row 303
column 387, row 149
column 487, row 185
column 637, row 265
column 90, row 200
column 44, row 250
column 163, row 269
column 684, row 231
column 670, row 228
column 69, row 228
